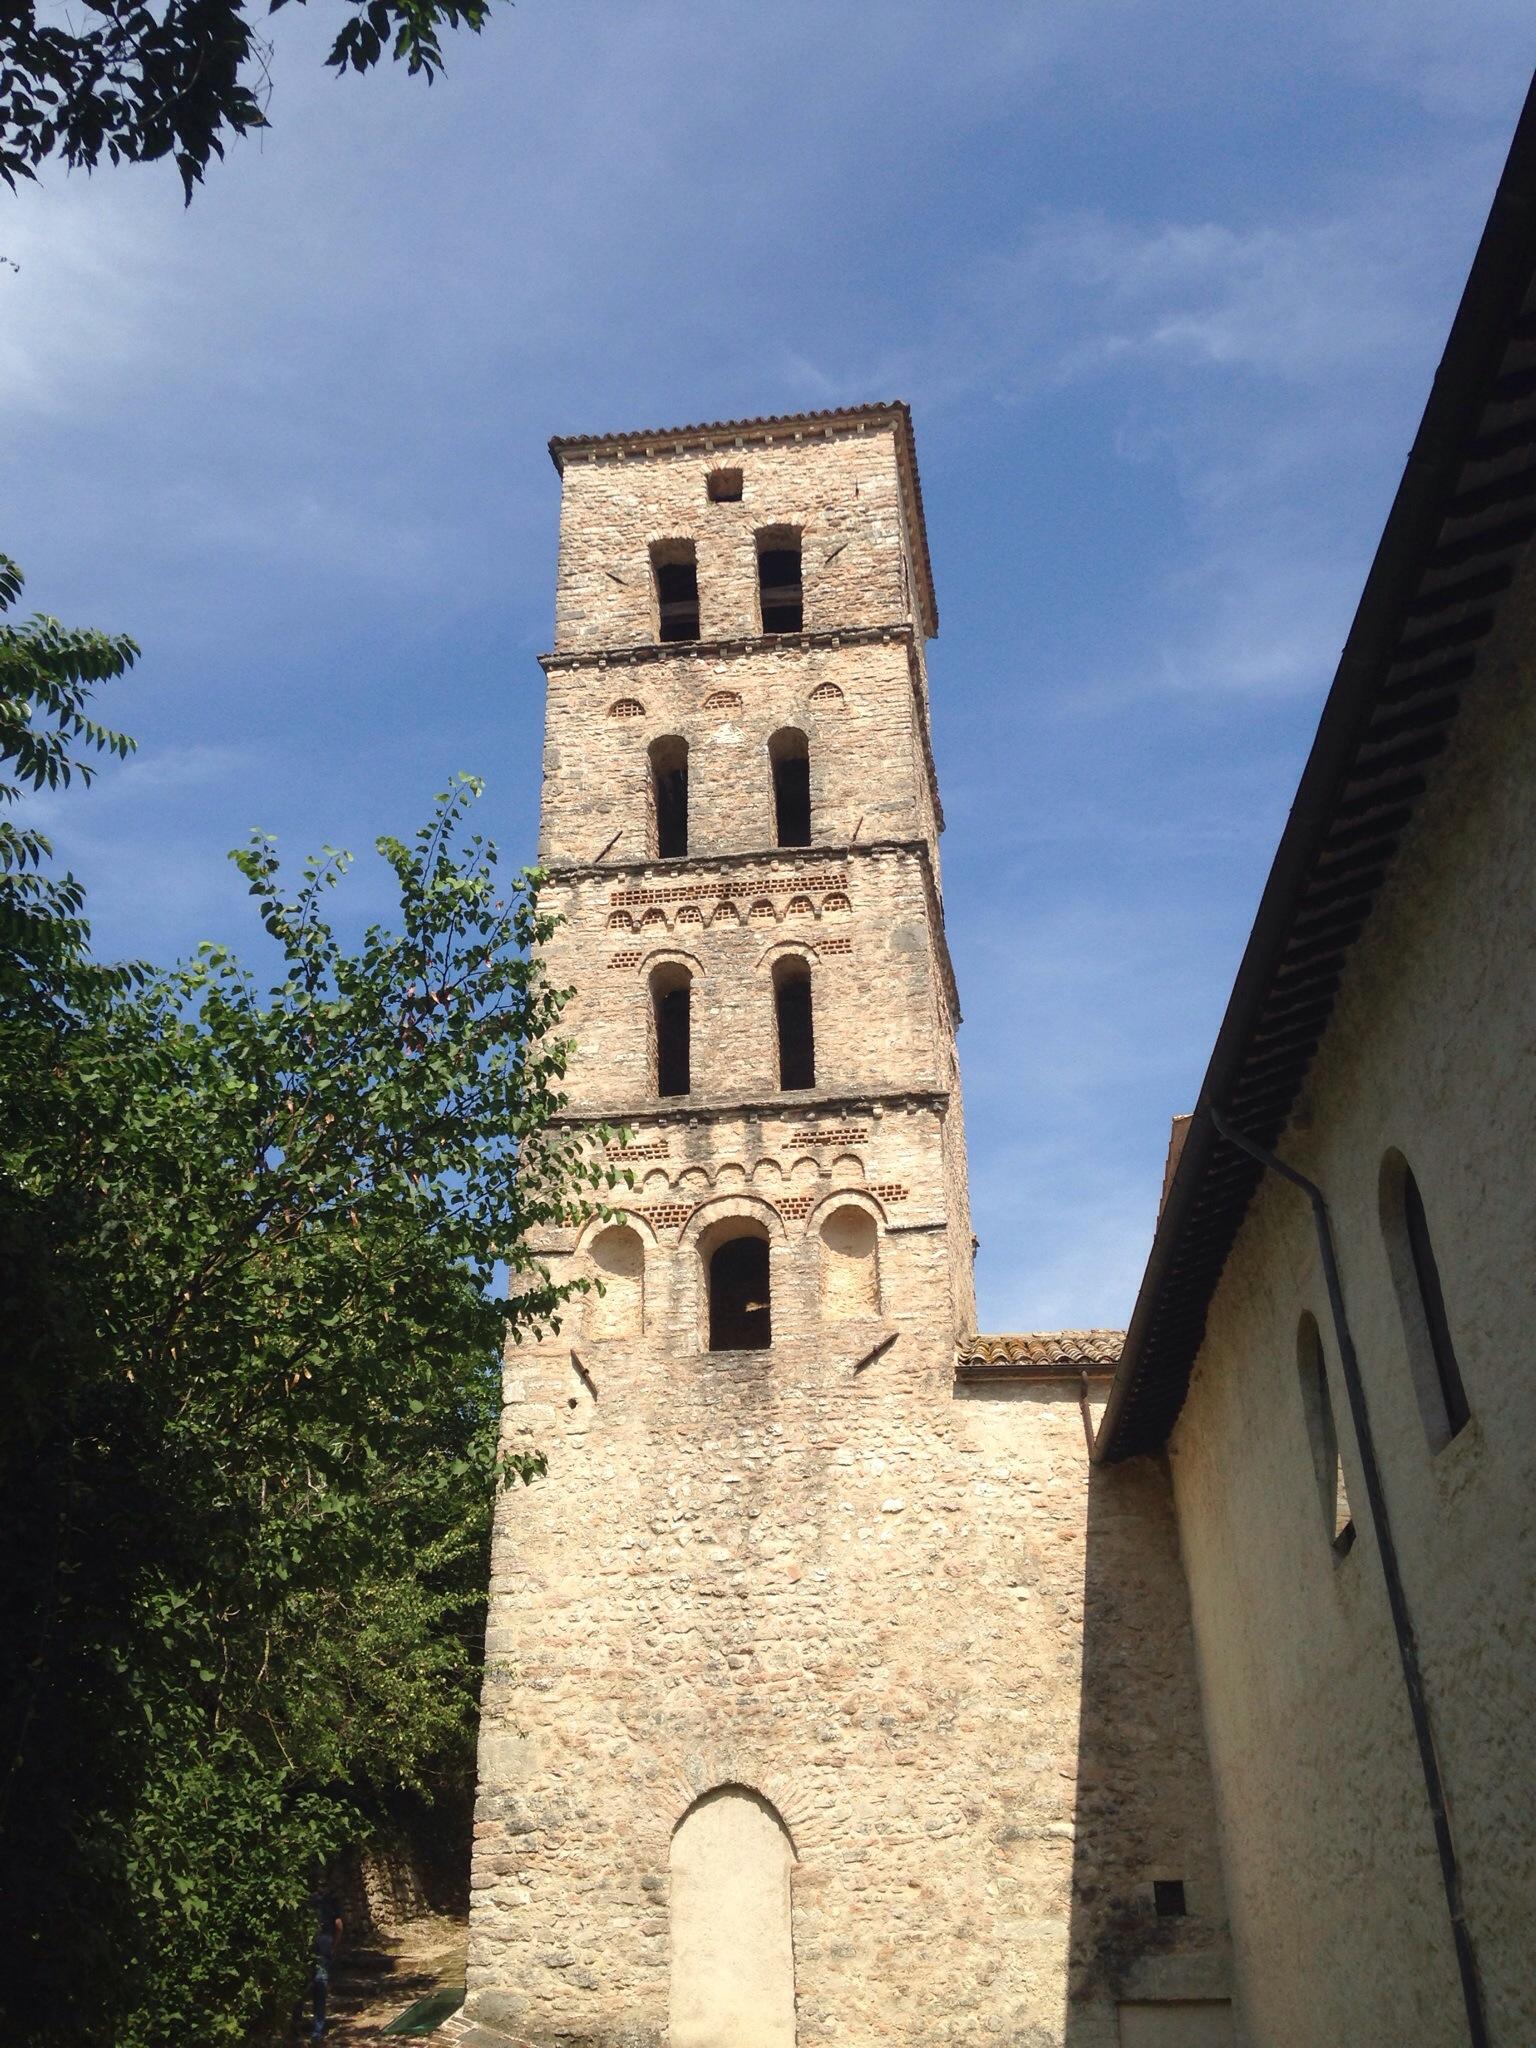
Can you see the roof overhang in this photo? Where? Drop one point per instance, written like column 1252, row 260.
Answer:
column 1459, row 525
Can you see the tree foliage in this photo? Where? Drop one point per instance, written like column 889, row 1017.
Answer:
column 133, row 82
column 248, row 1237
column 47, row 739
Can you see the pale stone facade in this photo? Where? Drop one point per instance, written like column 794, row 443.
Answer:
column 1429, row 1056
column 833, row 1695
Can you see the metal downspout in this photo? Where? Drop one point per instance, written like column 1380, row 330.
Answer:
column 1397, row 1601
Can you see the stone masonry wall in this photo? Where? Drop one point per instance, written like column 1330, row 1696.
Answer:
column 792, row 1161
column 866, row 1599
column 856, row 703
column 903, row 1612
column 842, row 493
column 862, row 922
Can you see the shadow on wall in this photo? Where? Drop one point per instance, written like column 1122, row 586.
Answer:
column 417, row 1863
column 1148, row 1945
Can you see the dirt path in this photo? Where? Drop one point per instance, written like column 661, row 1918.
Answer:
column 375, row 1983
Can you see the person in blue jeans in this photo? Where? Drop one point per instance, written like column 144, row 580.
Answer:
column 327, row 1941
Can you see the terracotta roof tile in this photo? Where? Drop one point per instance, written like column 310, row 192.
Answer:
column 1041, row 1352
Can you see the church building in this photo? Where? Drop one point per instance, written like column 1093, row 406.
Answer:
column 854, row 1678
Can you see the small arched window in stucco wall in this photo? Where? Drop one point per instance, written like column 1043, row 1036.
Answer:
column 1443, row 1405
column 850, row 1265
column 618, row 1262
column 733, row 1956
column 1323, row 1436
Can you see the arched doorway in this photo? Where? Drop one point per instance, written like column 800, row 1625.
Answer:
column 733, row 1959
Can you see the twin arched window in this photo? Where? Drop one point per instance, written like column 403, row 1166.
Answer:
column 1442, row 1397
column 780, row 588
column 671, row 1022
column 789, row 761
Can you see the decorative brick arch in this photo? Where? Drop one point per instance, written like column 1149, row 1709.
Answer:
column 670, row 956
column 844, row 1197
column 789, row 949
column 742, row 1202
column 630, row 1218
column 799, row 1800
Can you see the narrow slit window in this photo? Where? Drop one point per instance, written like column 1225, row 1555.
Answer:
column 669, row 797
column 790, row 756
column 675, row 567
column 740, row 1306
column 671, row 1013
column 796, row 1032
column 1168, row 1897
column 1323, row 1437
column 1443, row 1404
column 780, row 594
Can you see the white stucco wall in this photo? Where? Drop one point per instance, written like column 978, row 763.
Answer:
column 1338, row 1916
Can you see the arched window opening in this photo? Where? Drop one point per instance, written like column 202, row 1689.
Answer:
column 669, row 797
column 740, row 1305
column 779, row 590
column 618, row 1264
column 675, row 568
column 796, row 1031
column 1323, row 1436
column 1443, row 1405
column 850, row 1270
column 790, row 756
column 671, row 1003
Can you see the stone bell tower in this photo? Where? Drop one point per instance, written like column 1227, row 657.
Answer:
column 759, row 1753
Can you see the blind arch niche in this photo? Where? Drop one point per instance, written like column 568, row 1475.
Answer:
column 733, row 1958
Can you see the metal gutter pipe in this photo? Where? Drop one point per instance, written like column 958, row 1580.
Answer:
column 1397, row 1600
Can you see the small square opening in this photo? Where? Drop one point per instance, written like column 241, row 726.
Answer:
column 1168, row 1897
column 724, row 486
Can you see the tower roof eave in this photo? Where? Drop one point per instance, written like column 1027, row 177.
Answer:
column 783, row 426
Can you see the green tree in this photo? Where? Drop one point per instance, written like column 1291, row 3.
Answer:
column 132, row 82
column 248, row 1245
column 47, row 738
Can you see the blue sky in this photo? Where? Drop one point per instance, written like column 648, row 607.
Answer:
column 1165, row 283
